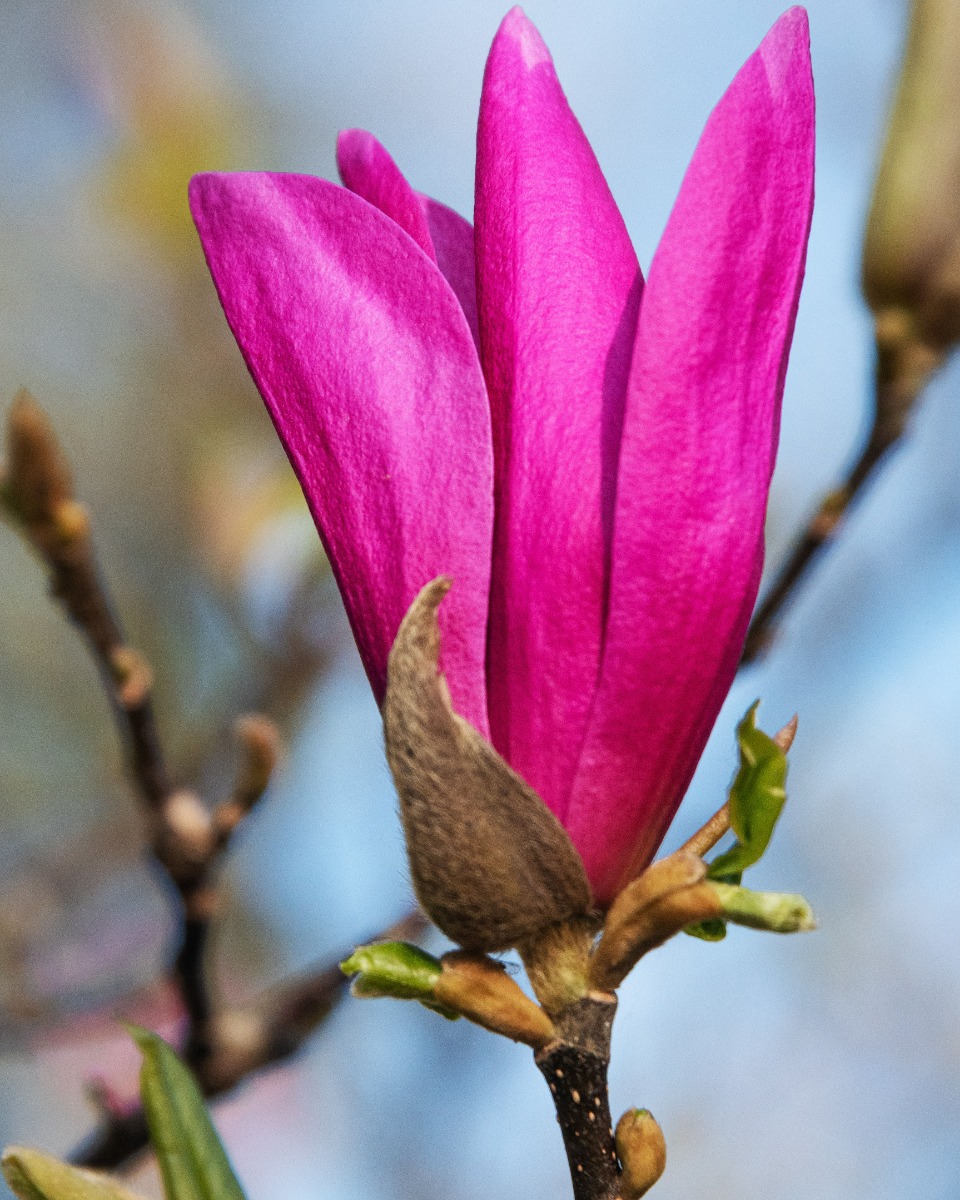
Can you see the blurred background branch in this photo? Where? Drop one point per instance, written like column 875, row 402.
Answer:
column 910, row 277
column 187, row 837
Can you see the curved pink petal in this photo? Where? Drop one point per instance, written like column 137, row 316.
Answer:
column 558, row 285
column 453, row 242
column 699, row 442
column 367, row 169
column 363, row 357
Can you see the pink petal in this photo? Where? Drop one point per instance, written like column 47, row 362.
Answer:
column 443, row 235
column 559, row 286
column 367, row 169
column 699, row 442
column 363, row 357
column 453, row 242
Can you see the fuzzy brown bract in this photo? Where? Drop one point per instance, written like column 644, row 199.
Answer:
column 490, row 863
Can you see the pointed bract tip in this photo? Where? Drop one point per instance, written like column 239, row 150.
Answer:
column 517, row 27
column 432, row 594
column 784, row 738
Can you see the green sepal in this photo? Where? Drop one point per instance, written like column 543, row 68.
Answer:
column 757, row 797
column 192, row 1160
column 33, row 1175
column 776, row 912
column 397, row 970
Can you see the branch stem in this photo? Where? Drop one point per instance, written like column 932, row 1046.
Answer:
column 575, row 1068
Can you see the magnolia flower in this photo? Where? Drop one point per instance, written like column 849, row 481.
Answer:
column 585, row 453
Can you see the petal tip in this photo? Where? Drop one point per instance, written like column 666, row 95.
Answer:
column 352, row 145
column 786, row 48
column 203, row 190
column 517, row 28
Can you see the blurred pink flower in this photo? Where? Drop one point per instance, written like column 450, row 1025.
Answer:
column 587, row 455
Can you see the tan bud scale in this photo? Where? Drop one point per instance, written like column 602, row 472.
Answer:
column 645, row 914
column 490, row 863
column 642, row 1150
column 481, row 990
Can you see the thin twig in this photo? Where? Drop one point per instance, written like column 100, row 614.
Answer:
column 38, row 493
column 245, row 1042
column 707, row 836
column 187, row 840
column 901, row 375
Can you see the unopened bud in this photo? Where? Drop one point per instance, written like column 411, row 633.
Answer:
column 491, row 865
column 642, row 912
column 480, row 989
column 261, row 747
column 642, row 1150
column 133, row 676
column 71, row 521
column 457, row 985
column 260, row 741
column 38, row 479
column 911, row 257
column 186, row 828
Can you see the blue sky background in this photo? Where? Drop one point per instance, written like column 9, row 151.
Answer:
column 825, row 1066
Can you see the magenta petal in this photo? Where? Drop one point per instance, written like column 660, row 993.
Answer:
column 363, row 357
column 453, row 243
column 699, row 442
column 558, row 285
column 367, row 169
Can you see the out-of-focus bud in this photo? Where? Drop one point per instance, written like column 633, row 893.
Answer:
column 132, row 675
column 911, row 258
column 642, row 1151
column 37, row 482
column 261, row 747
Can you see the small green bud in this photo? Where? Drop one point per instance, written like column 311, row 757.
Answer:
column 776, row 912
column 642, row 1150
column 395, row 969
